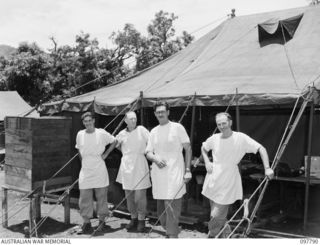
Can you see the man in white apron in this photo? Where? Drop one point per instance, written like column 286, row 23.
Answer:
column 93, row 177
column 222, row 184
column 134, row 170
column 169, row 171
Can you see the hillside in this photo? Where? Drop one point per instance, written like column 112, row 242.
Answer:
column 6, row 50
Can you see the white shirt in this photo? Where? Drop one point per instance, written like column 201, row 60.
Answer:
column 134, row 171
column 93, row 173
column 224, row 185
column 166, row 141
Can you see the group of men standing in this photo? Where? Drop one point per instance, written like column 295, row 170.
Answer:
column 170, row 170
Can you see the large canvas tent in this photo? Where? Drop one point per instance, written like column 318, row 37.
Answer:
column 248, row 54
column 229, row 57
column 267, row 60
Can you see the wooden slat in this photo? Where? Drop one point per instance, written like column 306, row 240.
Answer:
column 19, row 182
column 18, row 161
column 17, row 171
column 18, row 136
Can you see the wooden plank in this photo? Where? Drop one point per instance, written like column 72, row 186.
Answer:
column 18, row 182
column 18, row 148
column 67, row 210
column 18, row 136
column 18, row 171
column 18, row 161
column 18, row 122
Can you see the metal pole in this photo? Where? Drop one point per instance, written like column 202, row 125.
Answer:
column 237, row 112
column 141, row 108
column 306, row 197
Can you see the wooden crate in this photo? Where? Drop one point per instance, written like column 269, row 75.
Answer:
column 36, row 148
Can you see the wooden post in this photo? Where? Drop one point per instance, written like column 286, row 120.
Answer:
column 307, row 184
column 37, row 206
column 67, row 209
column 141, row 109
column 4, row 207
column 31, row 214
column 237, row 112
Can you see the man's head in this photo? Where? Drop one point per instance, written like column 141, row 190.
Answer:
column 131, row 119
column 88, row 120
column 161, row 111
column 224, row 122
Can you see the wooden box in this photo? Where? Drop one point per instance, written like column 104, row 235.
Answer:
column 36, row 148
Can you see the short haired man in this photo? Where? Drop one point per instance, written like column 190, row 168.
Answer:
column 169, row 170
column 134, row 171
column 93, row 177
column 222, row 184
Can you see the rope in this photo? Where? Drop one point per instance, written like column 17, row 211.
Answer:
column 187, row 108
column 287, row 55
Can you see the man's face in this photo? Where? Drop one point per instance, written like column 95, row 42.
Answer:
column 223, row 123
column 88, row 122
column 161, row 114
column 131, row 119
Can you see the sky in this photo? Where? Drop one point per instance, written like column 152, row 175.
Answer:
column 38, row 20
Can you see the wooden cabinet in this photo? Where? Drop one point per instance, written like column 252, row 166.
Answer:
column 36, row 148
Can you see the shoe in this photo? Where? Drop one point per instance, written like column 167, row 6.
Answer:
column 86, row 228
column 141, row 226
column 132, row 225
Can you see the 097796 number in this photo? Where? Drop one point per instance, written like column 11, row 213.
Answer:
column 309, row 241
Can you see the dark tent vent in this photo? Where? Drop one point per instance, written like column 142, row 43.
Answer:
column 278, row 31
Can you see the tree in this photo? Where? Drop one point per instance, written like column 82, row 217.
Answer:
column 160, row 43
column 27, row 72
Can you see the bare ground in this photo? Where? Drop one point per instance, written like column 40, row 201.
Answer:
column 54, row 226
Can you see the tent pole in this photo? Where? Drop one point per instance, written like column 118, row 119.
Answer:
column 193, row 119
column 237, row 112
column 307, row 184
column 141, row 109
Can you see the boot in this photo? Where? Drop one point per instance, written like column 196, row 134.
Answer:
column 132, row 225
column 141, row 226
column 86, row 228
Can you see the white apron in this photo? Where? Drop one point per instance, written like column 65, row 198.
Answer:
column 166, row 141
column 93, row 173
column 134, row 171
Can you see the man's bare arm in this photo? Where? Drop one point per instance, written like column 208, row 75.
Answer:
column 109, row 150
column 208, row 164
column 265, row 160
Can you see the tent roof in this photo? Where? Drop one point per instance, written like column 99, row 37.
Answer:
column 11, row 104
column 229, row 57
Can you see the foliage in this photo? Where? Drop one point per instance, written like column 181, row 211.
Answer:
column 66, row 71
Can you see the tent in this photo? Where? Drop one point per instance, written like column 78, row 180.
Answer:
column 267, row 60
column 246, row 56
column 227, row 58
column 11, row 104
